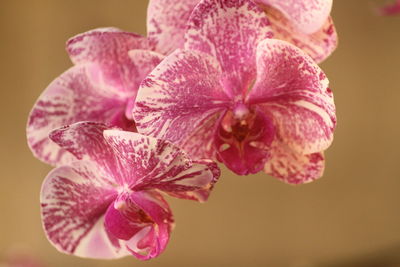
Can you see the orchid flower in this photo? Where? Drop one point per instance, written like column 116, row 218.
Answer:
column 392, row 9
column 304, row 23
column 235, row 95
column 101, row 86
column 107, row 204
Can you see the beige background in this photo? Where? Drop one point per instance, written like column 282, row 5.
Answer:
column 351, row 217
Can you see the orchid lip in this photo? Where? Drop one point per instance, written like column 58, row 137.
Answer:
column 244, row 131
column 238, row 122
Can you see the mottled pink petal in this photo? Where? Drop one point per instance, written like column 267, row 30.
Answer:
column 243, row 143
column 182, row 92
column 200, row 143
column 307, row 15
column 144, row 220
column 294, row 168
column 392, row 9
column 70, row 98
column 229, row 30
column 109, row 47
column 167, row 23
column 319, row 45
column 194, row 183
column 145, row 61
column 73, row 201
column 85, row 141
column 294, row 91
column 152, row 163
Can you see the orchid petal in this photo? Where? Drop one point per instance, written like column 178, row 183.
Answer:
column 308, row 16
column 229, row 31
column 85, row 141
column 294, row 91
column 109, row 47
column 70, row 98
column 319, row 45
column 153, row 163
column 182, row 92
column 145, row 61
column 294, row 168
column 200, row 143
column 167, row 23
column 73, row 200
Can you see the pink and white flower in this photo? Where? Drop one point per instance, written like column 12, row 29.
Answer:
column 107, row 204
column 235, row 95
column 109, row 65
column 304, row 23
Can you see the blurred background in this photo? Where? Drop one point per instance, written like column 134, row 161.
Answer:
column 350, row 217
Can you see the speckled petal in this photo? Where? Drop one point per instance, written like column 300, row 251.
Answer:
column 70, row 98
column 85, row 141
column 145, row 61
column 109, row 47
column 200, row 144
column 294, row 91
column 167, row 23
column 152, row 163
column 307, row 15
column 293, row 168
column 74, row 200
column 319, row 45
column 229, row 30
column 182, row 92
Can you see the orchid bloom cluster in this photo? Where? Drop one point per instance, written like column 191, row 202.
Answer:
column 137, row 118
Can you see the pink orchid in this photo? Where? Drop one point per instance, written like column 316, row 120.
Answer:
column 392, row 9
column 304, row 23
column 109, row 66
column 107, row 204
column 235, row 95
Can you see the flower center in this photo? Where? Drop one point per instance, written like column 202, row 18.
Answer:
column 243, row 139
column 237, row 124
column 124, row 218
column 125, row 206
